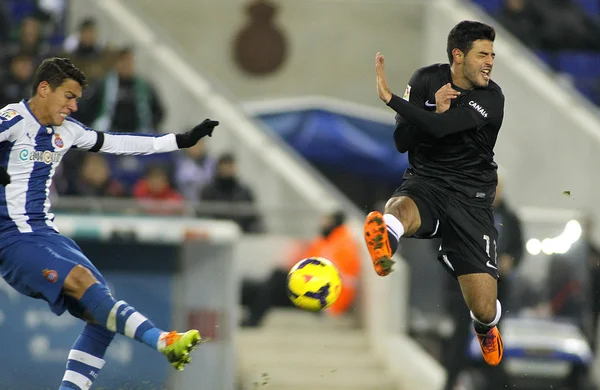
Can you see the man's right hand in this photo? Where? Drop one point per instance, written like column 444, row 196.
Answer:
column 4, row 177
column 443, row 98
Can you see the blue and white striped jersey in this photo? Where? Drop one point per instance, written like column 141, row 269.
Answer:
column 30, row 152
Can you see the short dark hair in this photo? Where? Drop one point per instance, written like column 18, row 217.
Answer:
column 55, row 71
column 463, row 35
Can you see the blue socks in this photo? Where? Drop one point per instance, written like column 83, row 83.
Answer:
column 118, row 316
column 86, row 357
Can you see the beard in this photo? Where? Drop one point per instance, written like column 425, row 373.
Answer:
column 475, row 77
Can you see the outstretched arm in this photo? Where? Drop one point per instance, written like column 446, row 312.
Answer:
column 134, row 144
column 484, row 107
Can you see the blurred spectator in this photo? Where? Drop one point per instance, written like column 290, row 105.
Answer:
column 94, row 179
column 454, row 348
column 565, row 26
column 16, row 85
column 156, row 193
column 53, row 14
column 155, row 185
column 566, row 296
column 30, row 41
column 194, row 167
column 510, row 245
column 85, row 41
column 86, row 52
column 5, row 24
column 518, row 18
column 123, row 101
column 226, row 187
column 336, row 243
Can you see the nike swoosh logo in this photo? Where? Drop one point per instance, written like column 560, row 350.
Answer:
column 427, row 104
column 489, row 264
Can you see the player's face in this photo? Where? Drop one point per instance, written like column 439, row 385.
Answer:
column 479, row 62
column 62, row 102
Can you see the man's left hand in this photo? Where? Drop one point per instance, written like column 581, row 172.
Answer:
column 191, row 138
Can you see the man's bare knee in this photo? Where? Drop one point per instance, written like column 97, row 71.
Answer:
column 484, row 310
column 78, row 281
column 480, row 294
column 405, row 209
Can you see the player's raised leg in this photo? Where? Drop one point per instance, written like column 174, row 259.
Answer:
column 480, row 294
column 382, row 232
column 120, row 317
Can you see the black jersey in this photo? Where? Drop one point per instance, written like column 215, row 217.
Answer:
column 455, row 148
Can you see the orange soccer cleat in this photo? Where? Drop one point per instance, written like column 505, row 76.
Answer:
column 376, row 237
column 492, row 347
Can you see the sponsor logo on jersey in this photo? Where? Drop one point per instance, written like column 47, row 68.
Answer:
column 50, row 275
column 406, row 93
column 8, row 114
column 45, row 156
column 478, row 108
column 58, row 141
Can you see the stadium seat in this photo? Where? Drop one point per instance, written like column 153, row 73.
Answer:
column 591, row 7
column 580, row 64
column 491, row 6
column 550, row 58
column 590, row 88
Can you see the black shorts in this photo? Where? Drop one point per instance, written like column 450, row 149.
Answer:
column 468, row 233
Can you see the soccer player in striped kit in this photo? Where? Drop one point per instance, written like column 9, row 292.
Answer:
column 41, row 263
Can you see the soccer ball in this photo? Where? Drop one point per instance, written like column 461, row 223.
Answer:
column 314, row 284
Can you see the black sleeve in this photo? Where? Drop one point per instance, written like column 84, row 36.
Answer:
column 406, row 134
column 480, row 108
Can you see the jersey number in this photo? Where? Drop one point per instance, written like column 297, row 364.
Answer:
column 487, row 246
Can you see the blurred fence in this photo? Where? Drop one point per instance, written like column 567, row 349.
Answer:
column 290, row 220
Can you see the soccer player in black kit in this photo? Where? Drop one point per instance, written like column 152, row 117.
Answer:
column 448, row 121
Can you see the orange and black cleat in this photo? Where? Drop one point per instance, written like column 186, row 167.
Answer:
column 492, row 347
column 376, row 237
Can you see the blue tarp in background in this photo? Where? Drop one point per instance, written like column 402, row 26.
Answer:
column 362, row 146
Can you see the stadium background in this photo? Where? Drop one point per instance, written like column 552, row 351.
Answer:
column 292, row 84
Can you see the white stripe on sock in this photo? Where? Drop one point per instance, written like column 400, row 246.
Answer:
column 394, row 225
column 132, row 323
column 111, row 322
column 86, row 358
column 77, row 379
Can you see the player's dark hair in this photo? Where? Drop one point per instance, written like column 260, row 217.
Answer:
column 463, row 35
column 55, row 71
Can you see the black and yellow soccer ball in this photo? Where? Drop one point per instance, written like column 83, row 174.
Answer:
column 314, row 284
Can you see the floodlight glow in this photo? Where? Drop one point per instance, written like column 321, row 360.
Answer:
column 572, row 231
column 548, row 246
column 534, row 246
